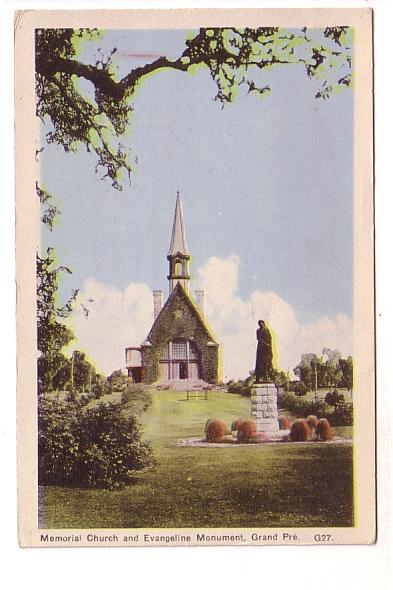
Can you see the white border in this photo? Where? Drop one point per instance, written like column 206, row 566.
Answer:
column 343, row 567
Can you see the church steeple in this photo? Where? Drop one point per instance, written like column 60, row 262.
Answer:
column 178, row 255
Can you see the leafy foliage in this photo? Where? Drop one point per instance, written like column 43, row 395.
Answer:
column 342, row 415
column 299, row 388
column 329, row 370
column 303, row 407
column 215, row 430
column 242, row 387
column 333, row 398
column 300, row 431
column 137, row 398
column 52, row 334
column 88, row 447
column 233, row 56
column 323, row 430
column 246, row 431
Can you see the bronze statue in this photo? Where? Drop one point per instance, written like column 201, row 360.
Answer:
column 264, row 372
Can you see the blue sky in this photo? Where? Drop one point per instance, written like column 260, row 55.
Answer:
column 268, row 181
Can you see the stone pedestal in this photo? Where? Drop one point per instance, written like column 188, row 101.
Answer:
column 264, row 407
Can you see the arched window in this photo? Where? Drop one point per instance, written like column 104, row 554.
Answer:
column 178, row 268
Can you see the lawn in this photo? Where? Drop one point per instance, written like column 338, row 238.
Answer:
column 280, row 485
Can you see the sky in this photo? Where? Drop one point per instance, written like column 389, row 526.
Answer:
column 268, row 203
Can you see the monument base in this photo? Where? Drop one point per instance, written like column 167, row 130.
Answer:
column 264, row 407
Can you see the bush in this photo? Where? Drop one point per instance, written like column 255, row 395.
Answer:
column 97, row 447
column 342, row 415
column 137, row 397
column 241, row 387
column 284, row 422
column 215, row 430
column 324, row 430
column 236, row 424
column 312, row 421
column 299, row 389
column 333, row 398
column 300, row 431
column 246, row 431
column 303, row 407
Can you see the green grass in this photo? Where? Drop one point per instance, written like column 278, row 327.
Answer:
column 277, row 485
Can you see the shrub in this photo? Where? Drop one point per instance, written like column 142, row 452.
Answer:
column 242, row 387
column 312, row 421
column 284, row 422
column 236, row 424
column 137, row 397
column 299, row 389
column 342, row 415
column 97, row 447
column 300, row 431
column 208, row 422
column 303, row 407
column 246, row 430
column 215, row 430
column 324, row 430
column 333, row 398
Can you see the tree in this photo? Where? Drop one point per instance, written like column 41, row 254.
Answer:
column 82, row 371
column 346, row 366
column 232, row 56
column 118, row 381
column 334, row 372
column 52, row 334
column 307, row 370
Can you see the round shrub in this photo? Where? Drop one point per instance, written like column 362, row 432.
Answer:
column 324, row 431
column 236, row 424
column 246, row 430
column 312, row 421
column 215, row 430
column 300, row 431
column 284, row 423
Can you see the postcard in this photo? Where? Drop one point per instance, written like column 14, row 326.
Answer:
column 195, row 277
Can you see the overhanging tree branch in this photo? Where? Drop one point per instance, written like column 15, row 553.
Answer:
column 231, row 55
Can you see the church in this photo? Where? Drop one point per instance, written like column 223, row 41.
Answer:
column 180, row 348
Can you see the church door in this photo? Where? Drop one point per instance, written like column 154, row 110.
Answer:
column 183, row 370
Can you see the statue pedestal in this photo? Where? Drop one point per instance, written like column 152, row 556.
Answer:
column 264, row 407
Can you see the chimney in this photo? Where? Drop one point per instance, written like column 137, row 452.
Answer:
column 200, row 300
column 158, row 302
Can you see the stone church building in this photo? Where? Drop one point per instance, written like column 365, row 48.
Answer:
column 180, row 348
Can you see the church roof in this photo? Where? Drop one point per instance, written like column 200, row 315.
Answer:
column 178, row 240
column 179, row 291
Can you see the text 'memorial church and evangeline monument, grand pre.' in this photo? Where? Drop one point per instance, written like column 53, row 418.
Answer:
column 179, row 348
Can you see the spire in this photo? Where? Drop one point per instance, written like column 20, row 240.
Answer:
column 178, row 240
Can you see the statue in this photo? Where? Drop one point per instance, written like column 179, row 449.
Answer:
column 264, row 372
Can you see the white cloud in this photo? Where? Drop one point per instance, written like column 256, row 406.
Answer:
column 116, row 319
column 234, row 321
column 123, row 318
